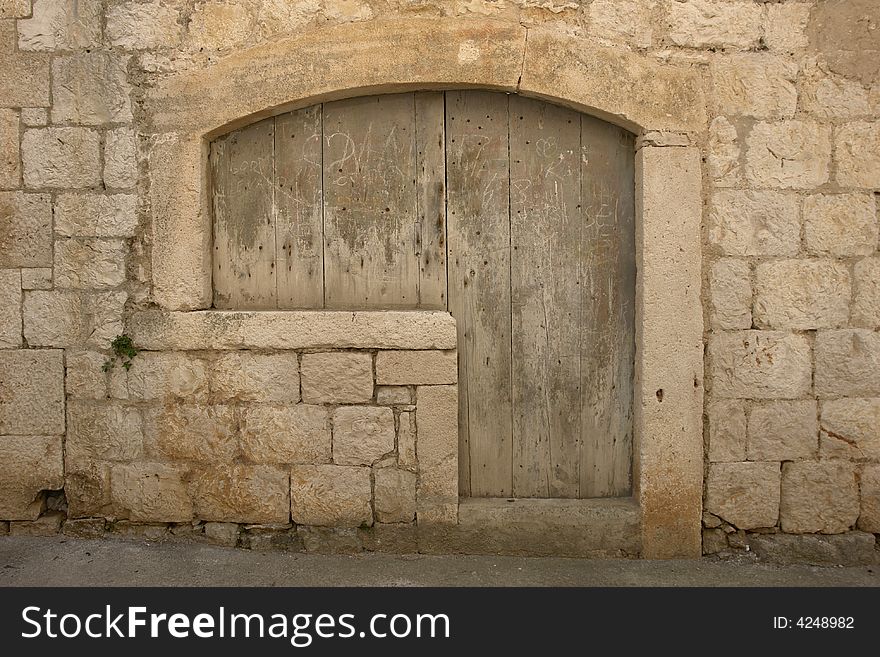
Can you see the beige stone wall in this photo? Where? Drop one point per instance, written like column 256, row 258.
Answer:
column 791, row 299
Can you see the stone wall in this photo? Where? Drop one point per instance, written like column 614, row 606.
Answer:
column 791, row 299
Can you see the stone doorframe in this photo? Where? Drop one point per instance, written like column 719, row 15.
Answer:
column 662, row 103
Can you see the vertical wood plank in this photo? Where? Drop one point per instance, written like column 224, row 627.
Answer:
column 607, row 321
column 431, row 190
column 298, row 209
column 545, row 297
column 370, row 203
column 479, row 283
column 242, row 168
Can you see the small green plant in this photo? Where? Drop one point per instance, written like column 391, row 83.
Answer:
column 123, row 351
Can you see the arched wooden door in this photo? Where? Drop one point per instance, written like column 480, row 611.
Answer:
column 516, row 214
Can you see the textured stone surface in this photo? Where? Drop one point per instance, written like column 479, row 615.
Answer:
column 406, row 441
column 10, row 302
column 24, row 77
column 755, row 223
column 858, row 154
column 150, row 492
column 286, row 434
column 25, row 230
column 28, row 465
column 727, row 430
column 631, row 21
column 90, row 89
column 437, row 450
column 240, row 493
column 785, row 26
column 783, row 431
column 840, row 225
column 869, row 487
column 802, row 294
column 91, row 264
column 15, row 8
column 866, row 293
column 345, row 378
column 706, row 23
column 31, row 392
column 754, row 85
column 10, row 169
column 731, row 294
column 393, row 395
column 835, row 97
column 395, row 495
column 141, row 26
column 215, row 25
column 850, row 549
column 61, row 25
column 256, row 378
column 120, row 158
column 34, row 117
column 818, row 497
column 362, row 434
column 72, row 318
column 161, row 376
column 723, row 153
column 191, row 433
column 61, row 157
column 222, row 533
column 744, row 494
column 851, row 429
column 85, row 378
column 95, row 215
column 330, row 495
column 760, row 364
column 791, row 154
column 105, row 432
column 845, row 38
column 36, row 278
column 847, row 363
column 416, row 367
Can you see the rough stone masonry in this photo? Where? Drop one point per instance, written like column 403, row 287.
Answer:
column 354, row 449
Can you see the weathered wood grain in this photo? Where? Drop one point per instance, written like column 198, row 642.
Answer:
column 545, row 226
column 370, row 258
column 478, row 226
column 242, row 171
column 299, row 232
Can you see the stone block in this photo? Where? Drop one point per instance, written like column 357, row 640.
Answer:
column 120, row 158
column 727, row 431
column 102, row 432
column 48, row 524
column 241, row 493
column 755, row 223
column 850, row 549
column 86, row 378
column 802, row 294
column 219, row 25
column 850, row 429
column 163, row 376
column 85, row 527
column 393, row 395
column 191, row 432
column 143, row 25
column 337, row 378
column 87, row 488
column 61, row 157
column 731, row 294
column 840, row 225
column 71, row 318
column 256, row 378
column 755, row 85
column 847, row 363
column 36, row 278
column 744, row 494
column 90, row 88
column 705, row 23
column 857, row 148
column 61, row 25
column 24, row 77
column 92, row 264
column 723, row 153
column 792, row 154
column 866, row 293
column 362, row 434
column 331, row 495
column 437, row 450
column 15, row 8
column 96, row 215
column 760, row 365
column 406, row 441
column 395, row 497
column 818, row 497
column 10, row 308
column 10, row 169
column 25, row 230
column 34, row 117
column 783, row 431
column 830, row 96
column 330, row 540
column 28, row 465
column 416, row 367
column 150, row 492
column 785, row 27
column 286, row 434
column 222, row 533
column 31, row 392
column 869, row 488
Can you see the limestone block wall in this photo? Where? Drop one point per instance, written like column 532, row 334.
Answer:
column 791, row 298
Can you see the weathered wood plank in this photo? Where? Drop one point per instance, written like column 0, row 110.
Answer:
column 242, row 168
column 478, row 227
column 370, row 258
column 607, row 311
column 431, row 186
column 545, row 297
column 299, row 231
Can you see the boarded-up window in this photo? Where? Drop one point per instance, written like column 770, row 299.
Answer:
column 515, row 214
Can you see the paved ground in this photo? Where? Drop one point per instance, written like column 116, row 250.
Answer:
column 62, row 561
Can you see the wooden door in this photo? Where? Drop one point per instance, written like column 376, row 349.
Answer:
column 515, row 214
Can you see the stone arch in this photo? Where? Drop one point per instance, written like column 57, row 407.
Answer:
column 182, row 111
